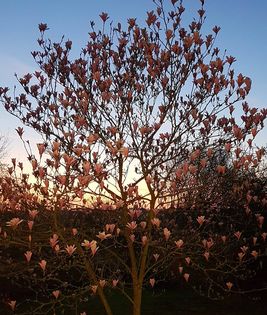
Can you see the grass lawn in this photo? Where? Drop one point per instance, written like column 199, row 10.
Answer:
column 171, row 302
column 175, row 302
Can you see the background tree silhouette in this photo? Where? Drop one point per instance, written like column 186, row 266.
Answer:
column 3, row 148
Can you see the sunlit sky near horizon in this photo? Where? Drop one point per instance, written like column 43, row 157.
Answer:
column 243, row 34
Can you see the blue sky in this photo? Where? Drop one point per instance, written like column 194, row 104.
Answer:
column 243, row 34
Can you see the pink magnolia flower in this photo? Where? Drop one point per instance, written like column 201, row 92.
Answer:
column 181, row 269
column 254, row 240
column 134, row 213
column 30, row 224
column 86, row 244
column 244, row 249
column 254, row 253
column 57, row 249
column 114, row 282
column 91, row 245
column 210, row 243
column 155, row 210
column 188, row 260
column 237, row 234
column 131, row 213
column 241, row 255
column 152, row 282
column 70, row 249
column 42, row 264
column 110, row 227
column 132, row 237
column 166, row 233
column 148, row 179
column 143, row 224
column 248, row 210
column 13, row 223
column 264, row 235
column 124, row 151
column 102, row 283
column 132, row 225
column 92, row 138
column 56, row 293
column 98, row 168
column 28, row 255
column 41, row 148
column 203, row 163
column 186, row 276
column 229, row 285
column 53, row 240
column 144, row 240
column 94, row 288
column 112, row 130
column 192, row 169
column 223, row 238
column 179, row 243
column 221, row 169
column 86, row 167
column 206, row 255
column 33, row 214
column 200, row 219
column 156, row 222
column 138, row 212
column 156, row 256
column 118, row 231
column 12, row 305
column 102, row 235
column 260, row 220
column 94, row 248
column 228, row 146
column 83, row 313
column 74, row 231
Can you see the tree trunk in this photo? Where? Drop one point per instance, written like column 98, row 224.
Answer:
column 104, row 302
column 137, row 298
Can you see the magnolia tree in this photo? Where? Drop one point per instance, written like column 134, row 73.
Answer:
column 131, row 133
